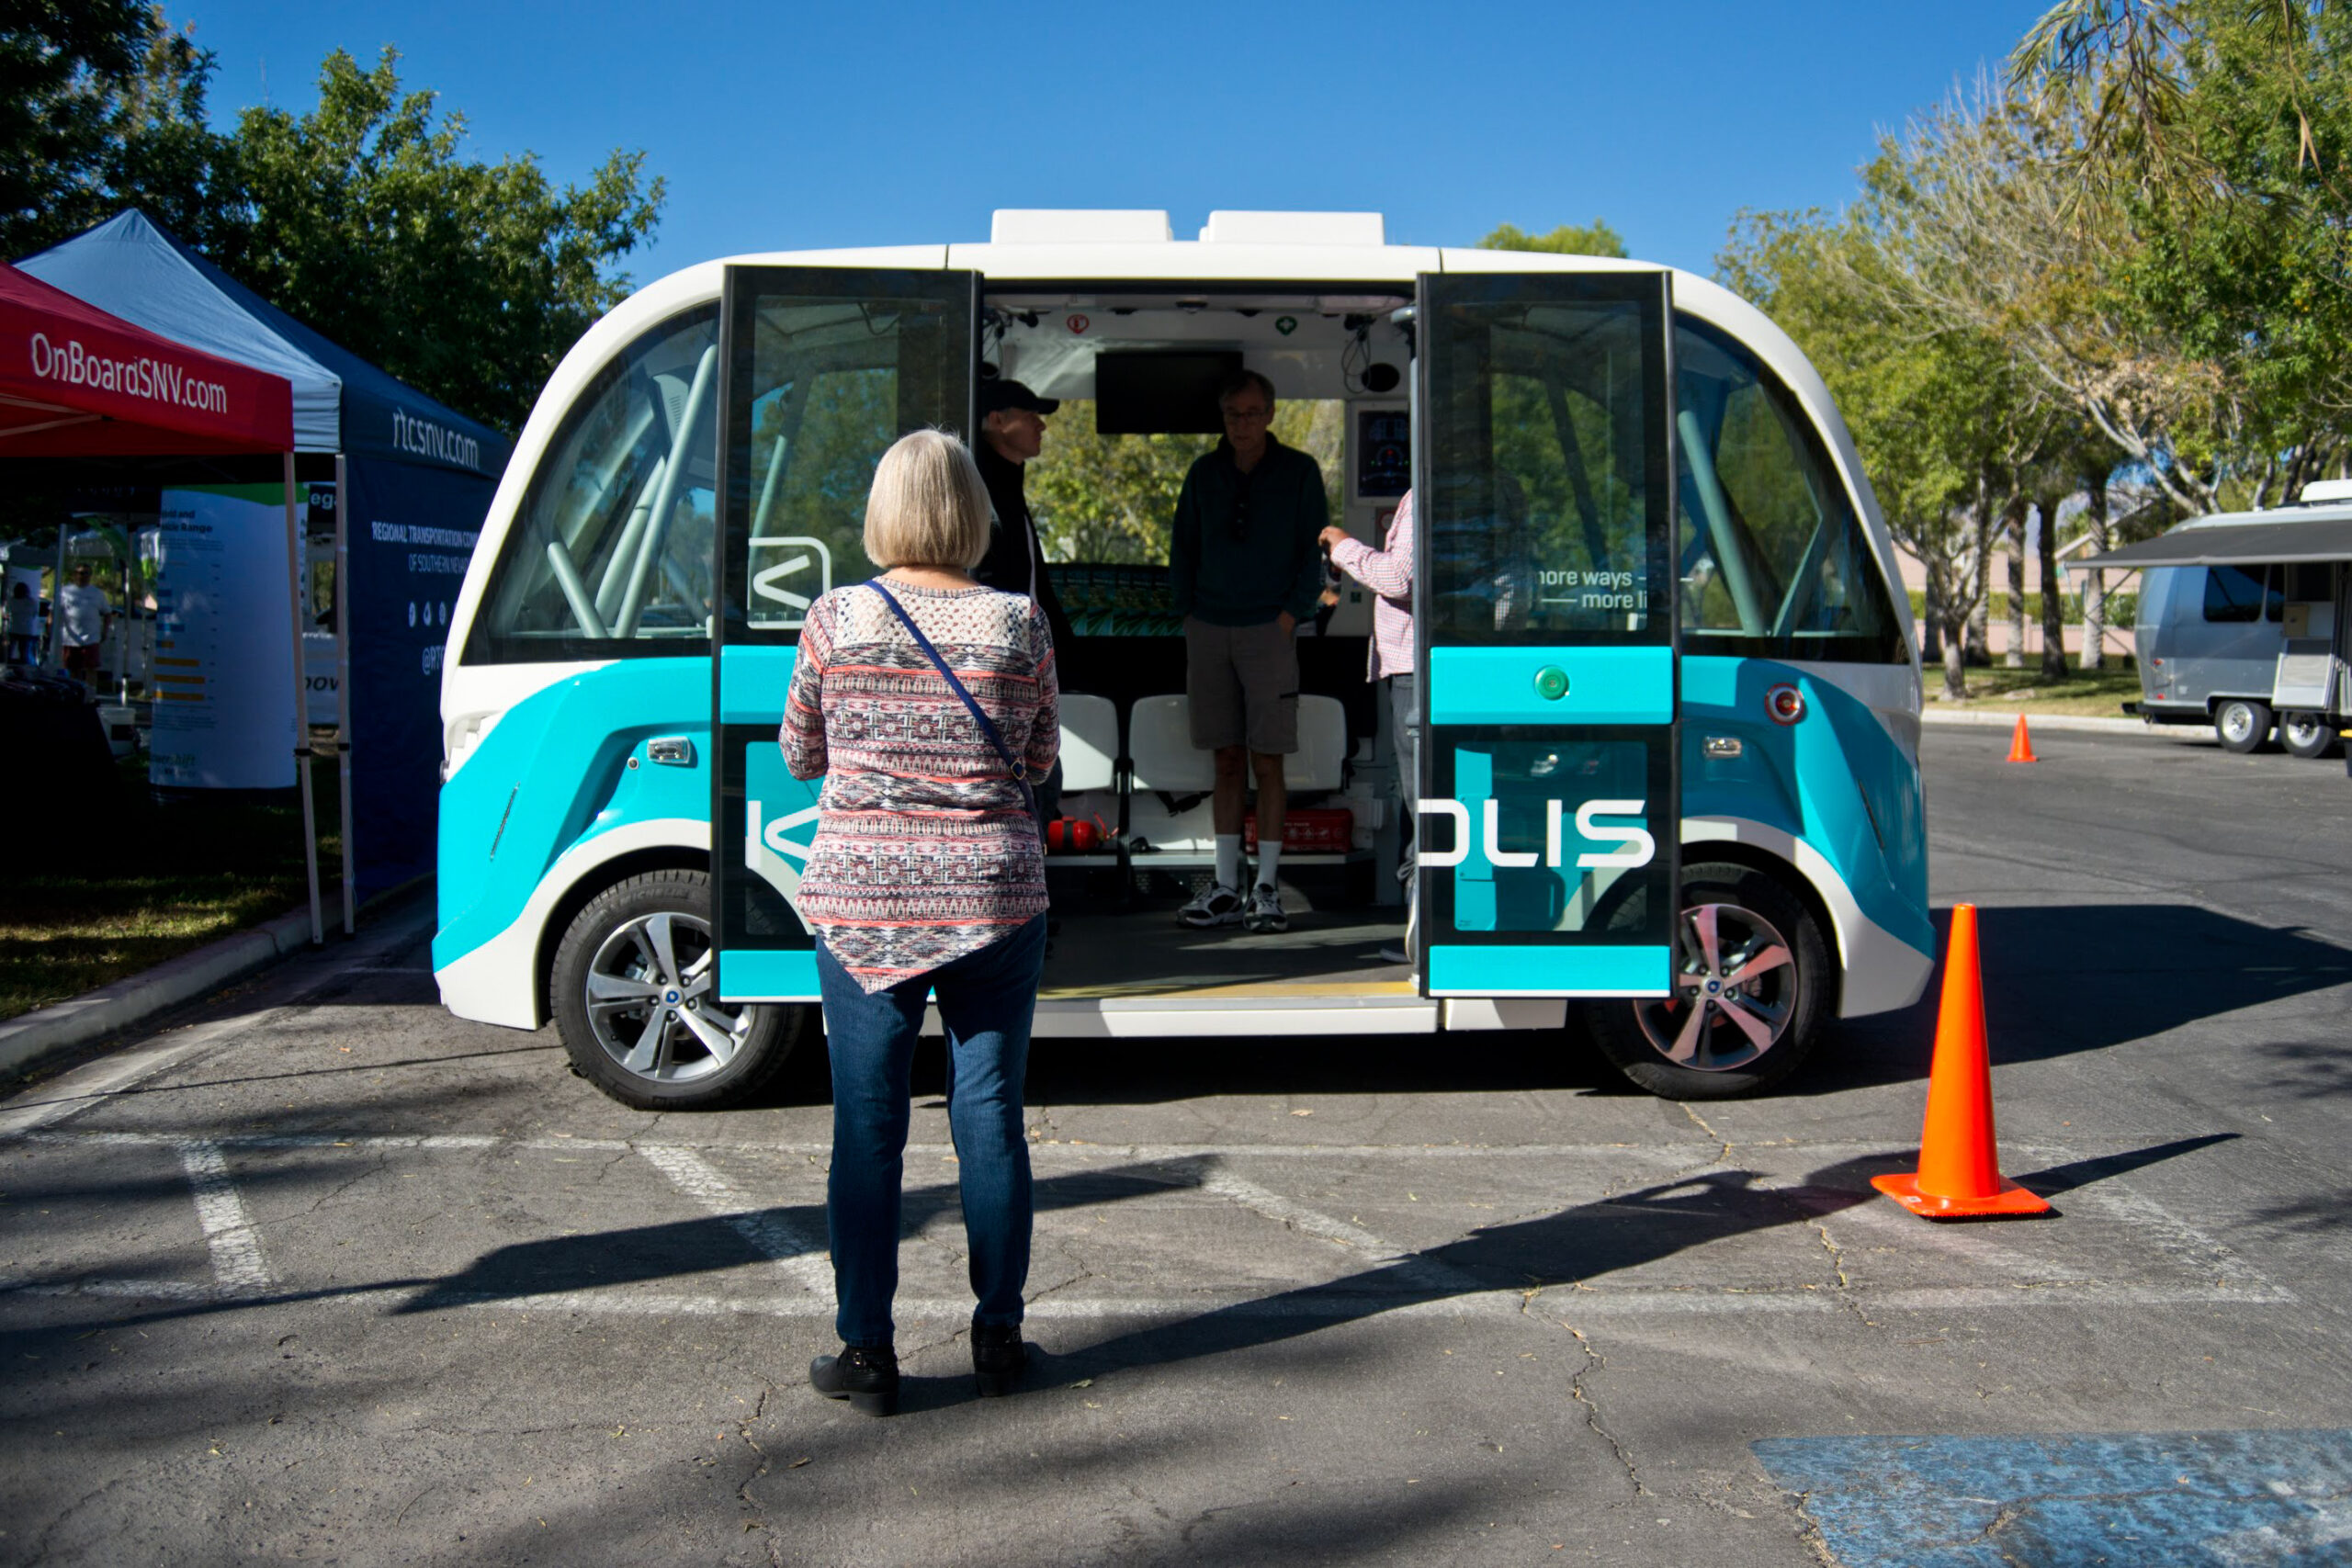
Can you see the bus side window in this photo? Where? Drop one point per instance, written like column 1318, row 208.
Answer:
column 610, row 553
column 1774, row 562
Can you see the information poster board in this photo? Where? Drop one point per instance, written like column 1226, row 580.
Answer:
column 223, row 670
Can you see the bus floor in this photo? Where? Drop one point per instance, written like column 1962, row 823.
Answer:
column 1142, row 952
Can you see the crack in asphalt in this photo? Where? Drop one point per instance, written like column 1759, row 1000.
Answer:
column 1594, row 1364
column 1844, row 1295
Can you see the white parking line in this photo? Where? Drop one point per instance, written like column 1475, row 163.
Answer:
column 236, row 1250
column 1420, row 1271
column 1558, row 1304
column 1410, row 1283
column 801, row 1258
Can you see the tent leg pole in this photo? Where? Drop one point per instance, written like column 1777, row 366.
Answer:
column 343, row 689
column 297, row 600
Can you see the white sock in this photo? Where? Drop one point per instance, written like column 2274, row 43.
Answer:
column 1270, row 861
column 1229, row 860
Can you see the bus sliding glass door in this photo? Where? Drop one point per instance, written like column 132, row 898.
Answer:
column 1544, row 595
column 823, row 369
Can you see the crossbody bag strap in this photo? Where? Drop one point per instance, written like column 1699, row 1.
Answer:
column 1014, row 765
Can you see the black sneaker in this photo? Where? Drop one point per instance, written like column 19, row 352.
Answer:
column 866, row 1375
column 998, row 1358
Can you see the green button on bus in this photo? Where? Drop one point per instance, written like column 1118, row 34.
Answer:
column 1551, row 683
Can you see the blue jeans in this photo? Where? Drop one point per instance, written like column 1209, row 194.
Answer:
column 987, row 1000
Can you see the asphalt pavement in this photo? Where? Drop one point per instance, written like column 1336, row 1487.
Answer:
column 322, row 1274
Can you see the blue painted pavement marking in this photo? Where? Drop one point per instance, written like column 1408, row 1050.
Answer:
column 2281, row 1499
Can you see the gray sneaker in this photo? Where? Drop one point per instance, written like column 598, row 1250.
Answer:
column 1215, row 905
column 1266, row 911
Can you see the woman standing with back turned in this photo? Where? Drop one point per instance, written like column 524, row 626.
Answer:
column 927, row 873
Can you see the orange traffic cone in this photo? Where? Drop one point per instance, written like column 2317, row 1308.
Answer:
column 1958, row 1176
column 2022, row 744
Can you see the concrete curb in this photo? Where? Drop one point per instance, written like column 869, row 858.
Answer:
column 131, row 1001
column 2080, row 723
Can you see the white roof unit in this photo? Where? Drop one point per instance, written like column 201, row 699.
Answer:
column 2320, row 490
column 1055, row 226
column 1296, row 229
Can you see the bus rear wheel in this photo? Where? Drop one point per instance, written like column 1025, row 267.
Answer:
column 1751, row 990
column 2309, row 736
column 631, row 989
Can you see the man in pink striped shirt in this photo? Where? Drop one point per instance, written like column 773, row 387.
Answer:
column 1393, row 661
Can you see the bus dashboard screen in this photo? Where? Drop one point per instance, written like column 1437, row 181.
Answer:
column 1161, row 391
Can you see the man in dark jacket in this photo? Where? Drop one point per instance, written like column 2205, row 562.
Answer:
column 1012, row 431
column 1245, row 569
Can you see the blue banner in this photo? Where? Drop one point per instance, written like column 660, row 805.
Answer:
column 411, row 531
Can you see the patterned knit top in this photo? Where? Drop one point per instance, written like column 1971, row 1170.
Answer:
column 923, row 851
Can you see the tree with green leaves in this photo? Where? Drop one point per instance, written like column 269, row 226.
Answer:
column 1112, row 499
column 101, row 107
column 364, row 217
column 469, row 280
column 2219, row 130
column 1594, row 239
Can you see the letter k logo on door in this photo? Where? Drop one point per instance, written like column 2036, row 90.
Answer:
column 804, row 564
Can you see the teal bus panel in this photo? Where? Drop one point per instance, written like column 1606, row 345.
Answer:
column 1502, row 969
column 1523, row 685
column 784, row 975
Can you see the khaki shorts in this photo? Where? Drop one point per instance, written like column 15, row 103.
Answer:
column 1242, row 683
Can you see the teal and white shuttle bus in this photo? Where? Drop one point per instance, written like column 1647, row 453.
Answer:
column 1669, row 697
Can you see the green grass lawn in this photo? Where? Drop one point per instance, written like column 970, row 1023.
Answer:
column 162, row 880
column 2099, row 692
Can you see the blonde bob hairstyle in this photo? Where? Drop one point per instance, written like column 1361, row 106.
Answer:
column 928, row 506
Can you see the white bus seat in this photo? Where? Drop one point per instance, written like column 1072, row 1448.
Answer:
column 1322, row 744
column 1159, row 739
column 1089, row 742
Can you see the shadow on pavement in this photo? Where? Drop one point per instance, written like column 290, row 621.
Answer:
column 2066, row 979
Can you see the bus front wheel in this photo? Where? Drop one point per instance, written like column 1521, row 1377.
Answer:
column 631, row 989
column 1751, row 992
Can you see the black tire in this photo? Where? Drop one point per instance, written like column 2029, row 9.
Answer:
column 618, row 940
column 1789, row 999
column 2242, row 724
column 2310, row 736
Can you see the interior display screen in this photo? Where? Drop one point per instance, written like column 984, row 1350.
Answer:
column 1383, row 453
column 1161, row 391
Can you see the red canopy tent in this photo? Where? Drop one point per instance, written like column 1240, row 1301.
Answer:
column 77, row 382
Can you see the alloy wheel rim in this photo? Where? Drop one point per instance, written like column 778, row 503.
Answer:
column 2237, row 722
column 1736, row 990
column 2302, row 731
column 650, row 1002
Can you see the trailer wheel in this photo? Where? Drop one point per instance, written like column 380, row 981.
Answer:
column 2308, row 734
column 631, row 989
column 1751, row 992
column 2242, row 724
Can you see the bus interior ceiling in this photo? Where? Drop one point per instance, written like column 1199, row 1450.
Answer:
column 1127, row 675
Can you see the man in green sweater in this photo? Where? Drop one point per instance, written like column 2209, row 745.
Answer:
column 1244, row 570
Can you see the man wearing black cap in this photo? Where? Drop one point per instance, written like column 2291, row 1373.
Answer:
column 1012, row 431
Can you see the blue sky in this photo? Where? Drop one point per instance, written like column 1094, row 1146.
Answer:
column 784, row 126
